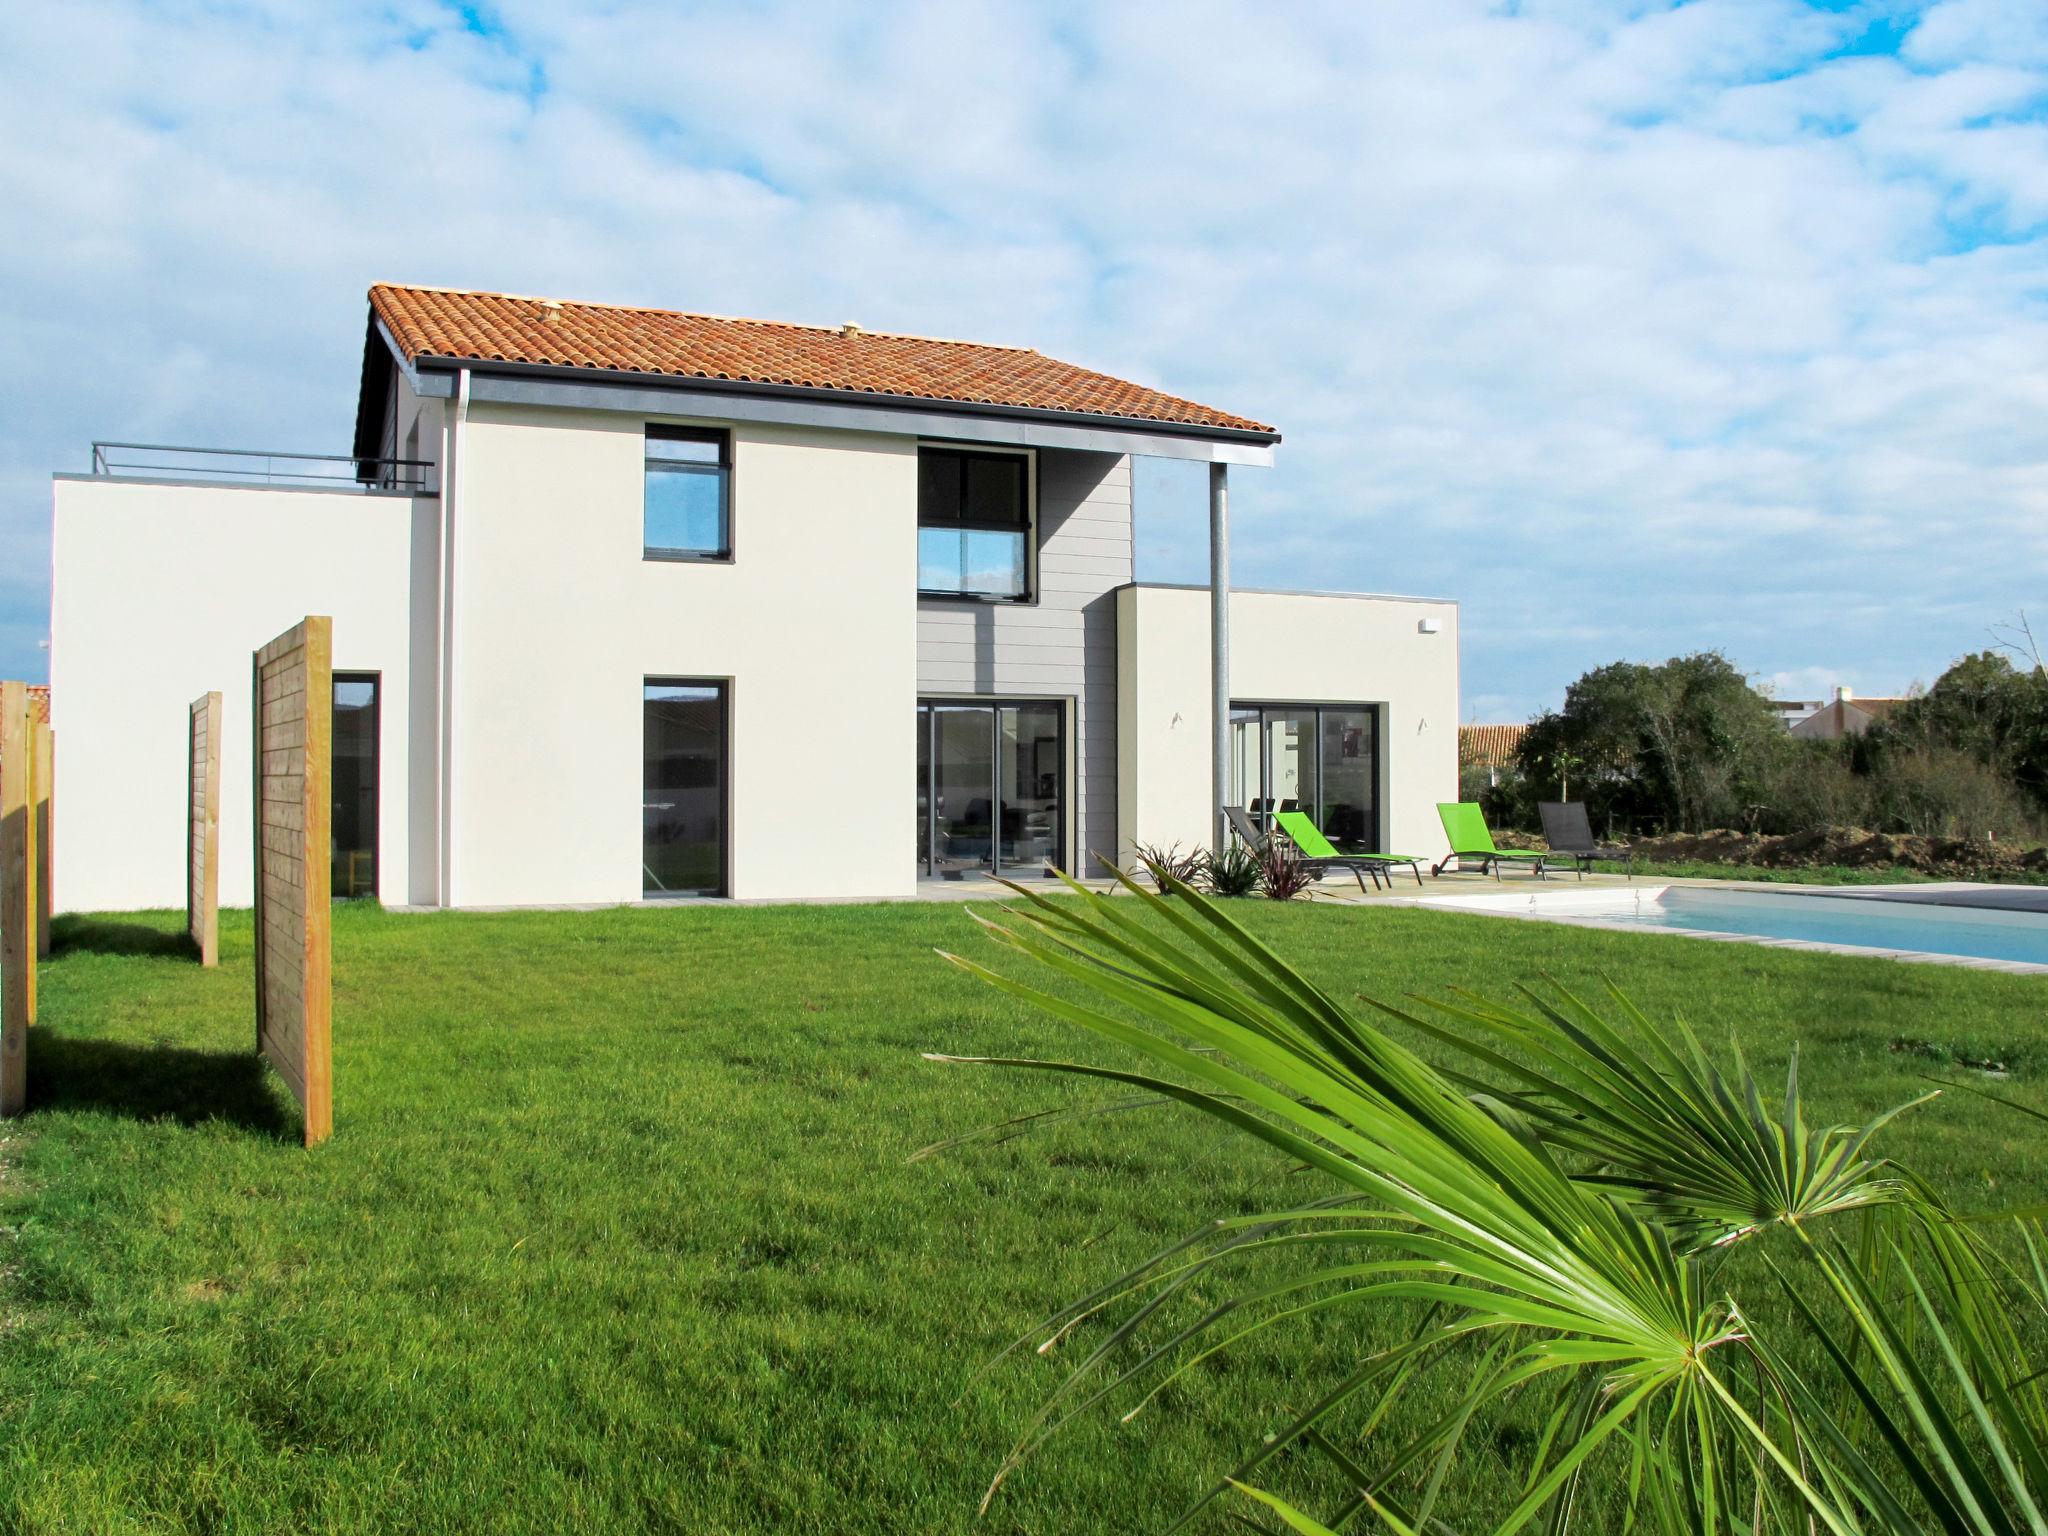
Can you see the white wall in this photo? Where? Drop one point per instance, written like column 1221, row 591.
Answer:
column 1284, row 648
column 161, row 593
column 558, row 620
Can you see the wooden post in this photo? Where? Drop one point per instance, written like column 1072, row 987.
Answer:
column 202, row 829
column 292, row 699
column 17, row 904
column 46, row 783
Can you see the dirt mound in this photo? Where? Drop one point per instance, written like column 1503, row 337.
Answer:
column 1850, row 847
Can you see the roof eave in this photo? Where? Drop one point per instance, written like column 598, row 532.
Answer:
column 428, row 364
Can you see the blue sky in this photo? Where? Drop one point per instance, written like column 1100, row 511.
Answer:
column 1636, row 327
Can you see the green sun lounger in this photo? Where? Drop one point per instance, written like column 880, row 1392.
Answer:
column 1318, row 848
column 1472, row 842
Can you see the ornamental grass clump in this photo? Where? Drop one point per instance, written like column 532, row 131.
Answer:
column 1171, row 860
column 1233, row 872
column 1283, row 875
column 1645, row 1293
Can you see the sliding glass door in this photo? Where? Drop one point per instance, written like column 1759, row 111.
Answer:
column 990, row 787
column 1318, row 758
column 683, row 788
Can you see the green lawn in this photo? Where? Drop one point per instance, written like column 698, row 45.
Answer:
column 617, row 1230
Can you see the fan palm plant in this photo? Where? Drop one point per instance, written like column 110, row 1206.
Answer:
column 1565, row 1201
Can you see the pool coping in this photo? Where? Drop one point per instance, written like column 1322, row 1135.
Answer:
column 1523, row 906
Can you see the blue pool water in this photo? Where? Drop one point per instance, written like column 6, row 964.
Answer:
column 1892, row 921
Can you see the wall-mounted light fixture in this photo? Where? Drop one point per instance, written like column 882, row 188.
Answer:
column 1427, row 626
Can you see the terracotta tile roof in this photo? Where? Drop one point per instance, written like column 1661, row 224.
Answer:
column 498, row 327
column 1489, row 746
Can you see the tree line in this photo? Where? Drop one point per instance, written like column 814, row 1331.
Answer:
column 1688, row 745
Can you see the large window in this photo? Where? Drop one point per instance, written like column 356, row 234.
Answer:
column 682, row 801
column 990, row 779
column 689, row 494
column 974, row 524
column 1318, row 758
column 354, row 775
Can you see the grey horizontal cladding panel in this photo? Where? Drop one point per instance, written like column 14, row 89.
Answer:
column 1099, row 496
column 1080, row 467
column 1060, row 491
column 1051, row 635
column 1104, row 504
column 1068, row 561
column 940, row 657
column 1089, row 518
column 1084, row 528
column 1069, row 589
column 994, row 615
column 1016, row 637
column 1093, row 539
column 1006, row 675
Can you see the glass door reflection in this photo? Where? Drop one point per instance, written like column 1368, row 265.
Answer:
column 682, row 799
column 991, row 787
column 963, row 782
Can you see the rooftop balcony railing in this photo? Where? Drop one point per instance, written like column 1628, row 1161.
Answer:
column 256, row 466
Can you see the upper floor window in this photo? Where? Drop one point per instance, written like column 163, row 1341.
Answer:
column 689, row 494
column 974, row 523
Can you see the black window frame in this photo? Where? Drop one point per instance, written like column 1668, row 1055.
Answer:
column 1064, row 707
column 376, row 682
column 967, row 453
column 721, row 437
column 1261, row 807
column 724, row 688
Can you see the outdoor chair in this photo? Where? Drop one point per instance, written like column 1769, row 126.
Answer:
column 1246, row 829
column 1309, row 839
column 1569, row 832
column 1249, row 834
column 1472, row 842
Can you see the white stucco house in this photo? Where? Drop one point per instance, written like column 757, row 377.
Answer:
column 630, row 604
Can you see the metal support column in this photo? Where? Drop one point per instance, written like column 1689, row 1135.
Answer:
column 1219, row 651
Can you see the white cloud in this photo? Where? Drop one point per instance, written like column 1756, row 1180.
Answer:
column 1638, row 327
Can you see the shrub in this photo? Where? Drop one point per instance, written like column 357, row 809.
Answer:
column 1235, row 872
column 1282, row 874
column 1159, row 862
column 1942, row 792
column 1812, row 784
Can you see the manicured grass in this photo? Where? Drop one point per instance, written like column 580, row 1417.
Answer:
column 617, row 1230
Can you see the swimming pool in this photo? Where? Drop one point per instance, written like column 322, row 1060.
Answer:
column 1956, row 925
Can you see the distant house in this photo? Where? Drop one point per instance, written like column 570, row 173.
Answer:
column 1844, row 715
column 1791, row 712
column 1492, row 747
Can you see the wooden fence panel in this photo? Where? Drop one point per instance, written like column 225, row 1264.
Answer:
column 202, row 829
column 45, row 781
column 293, row 702
column 17, row 894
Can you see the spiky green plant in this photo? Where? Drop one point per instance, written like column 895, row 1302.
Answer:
column 1716, row 1316
column 1233, row 872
